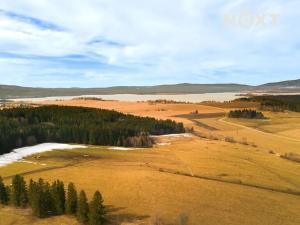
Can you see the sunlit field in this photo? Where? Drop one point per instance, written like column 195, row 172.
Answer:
column 229, row 170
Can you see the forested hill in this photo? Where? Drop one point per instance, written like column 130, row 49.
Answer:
column 9, row 91
column 28, row 126
column 277, row 102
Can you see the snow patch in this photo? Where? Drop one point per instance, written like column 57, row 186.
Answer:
column 19, row 153
column 164, row 143
column 187, row 135
column 124, row 149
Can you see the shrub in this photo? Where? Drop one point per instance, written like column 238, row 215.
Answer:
column 230, row 139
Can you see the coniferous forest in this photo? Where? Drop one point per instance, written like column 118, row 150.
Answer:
column 246, row 114
column 26, row 126
column 47, row 200
column 276, row 103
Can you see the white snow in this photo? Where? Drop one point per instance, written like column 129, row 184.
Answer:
column 124, row 149
column 164, row 143
column 19, row 153
column 187, row 135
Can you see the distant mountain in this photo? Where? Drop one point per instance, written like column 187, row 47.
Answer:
column 283, row 84
column 8, row 91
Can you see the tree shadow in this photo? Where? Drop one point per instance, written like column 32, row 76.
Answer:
column 115, row 215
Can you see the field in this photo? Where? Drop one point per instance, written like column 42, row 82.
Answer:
column 230, row 170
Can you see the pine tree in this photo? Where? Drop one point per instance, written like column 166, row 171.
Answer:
column 46, row 203
column 82, row 208
column 31, row 191
column 19, row 196
column 96, row 210
column 40, row 198
column 35, row 197
column 8, row 191
column 71, row 202
column 3, row 193
column 58, row 197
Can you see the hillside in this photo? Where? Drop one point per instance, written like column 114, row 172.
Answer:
column 7, row 91
column 278, row 102
column 283, row 86
column 288, row 83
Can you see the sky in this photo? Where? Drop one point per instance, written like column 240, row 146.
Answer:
column 101, row 43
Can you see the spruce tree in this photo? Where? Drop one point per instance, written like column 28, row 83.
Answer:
column 31, row 191
column 40, row 198
column 96, row 210
column 71, row 202
column 35, row 197
column 82, row 208
column 58, row 197
column 8, row 191
column 46, row 203
column 18, row 193
column 3, row 193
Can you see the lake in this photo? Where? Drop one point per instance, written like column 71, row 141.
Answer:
column 194, row 98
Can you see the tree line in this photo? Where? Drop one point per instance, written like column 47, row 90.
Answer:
column 25, row 126
column 47, row 200
column 246, row 114
column 276, row 103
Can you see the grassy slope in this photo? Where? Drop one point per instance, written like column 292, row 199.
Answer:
column 205, row 179
column 20, row 216
column 134, row 187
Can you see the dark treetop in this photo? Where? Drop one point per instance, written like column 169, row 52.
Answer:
column 28, row 126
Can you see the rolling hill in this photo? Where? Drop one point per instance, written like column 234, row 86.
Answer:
column 8, row 91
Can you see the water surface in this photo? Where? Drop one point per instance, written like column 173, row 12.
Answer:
column 194, row 98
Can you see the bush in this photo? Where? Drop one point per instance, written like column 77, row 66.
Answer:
column 230, row 139
column 291, row 156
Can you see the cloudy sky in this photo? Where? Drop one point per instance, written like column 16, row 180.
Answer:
column 97, row 43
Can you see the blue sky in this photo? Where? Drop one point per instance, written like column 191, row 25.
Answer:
column 99, row 43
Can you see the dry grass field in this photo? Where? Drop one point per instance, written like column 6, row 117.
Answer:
column 230, row 172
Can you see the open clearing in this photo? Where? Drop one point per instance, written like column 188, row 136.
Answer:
column 228, row 174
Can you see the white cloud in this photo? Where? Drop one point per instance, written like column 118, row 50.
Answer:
column 166, row 38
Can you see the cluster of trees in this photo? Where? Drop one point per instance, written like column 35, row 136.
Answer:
column 247, row 114
column 281, row 103
column 28, row 126
column 165, row 101
column 277, row 103
column 47, row 199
